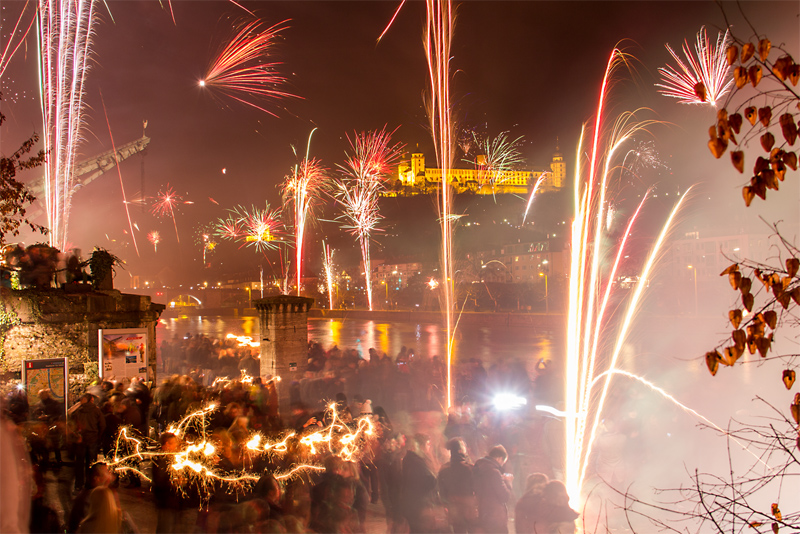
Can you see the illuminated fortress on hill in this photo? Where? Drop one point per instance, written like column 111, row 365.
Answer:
column 413, row 178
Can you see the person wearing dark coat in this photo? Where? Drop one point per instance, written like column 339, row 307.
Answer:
column 418, row 494
column 529, row 504
column 169, row 501
column 456, row 488
column 90, row 423
column 551, row 514
column 493, row 490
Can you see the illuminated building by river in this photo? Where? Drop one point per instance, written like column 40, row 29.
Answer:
column 414, row 178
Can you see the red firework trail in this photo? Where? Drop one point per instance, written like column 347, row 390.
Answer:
column 119, row 172
column 244, row 69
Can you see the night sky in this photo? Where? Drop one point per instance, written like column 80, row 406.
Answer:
column 530, row 68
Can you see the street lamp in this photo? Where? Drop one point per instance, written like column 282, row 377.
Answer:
column 694, row 269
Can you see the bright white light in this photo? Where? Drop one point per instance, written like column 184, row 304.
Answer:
column 508, row 401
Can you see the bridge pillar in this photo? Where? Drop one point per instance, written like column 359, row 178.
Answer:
column 284, row 341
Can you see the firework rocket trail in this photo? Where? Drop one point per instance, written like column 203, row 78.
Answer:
column 438, row 36
column 588, row 281
column 64, row 32
column 328, row 266
column 533, row 195
column 371, row 161
column 165, row 203
column 710, row 69
column 360, row 202
column 119, row 172
column 391, row 21
column 303, row 187
column 6, row 56
column 244, row 67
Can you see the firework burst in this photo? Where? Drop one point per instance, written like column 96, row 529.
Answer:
column 65, row 30
column 705, row 79
column 164, row 206
column 370, row 161
column 260, row 229
column 593, row 347
column 303, row 188
column 14, row 39
column 155, row 238
column 502, row 155
column 244, row 70
column 206, row 239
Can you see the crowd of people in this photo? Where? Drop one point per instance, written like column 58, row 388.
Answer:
column 417, row 466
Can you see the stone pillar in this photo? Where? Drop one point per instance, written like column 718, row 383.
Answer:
column 284, row 341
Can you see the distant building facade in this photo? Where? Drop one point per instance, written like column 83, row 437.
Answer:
column 414, row 178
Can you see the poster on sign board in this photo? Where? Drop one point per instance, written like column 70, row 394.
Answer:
column 123, row 353
column 50, row 374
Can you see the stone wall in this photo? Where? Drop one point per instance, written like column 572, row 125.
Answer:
column 54, row 323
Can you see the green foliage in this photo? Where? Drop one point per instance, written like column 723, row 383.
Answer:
column 14, row 196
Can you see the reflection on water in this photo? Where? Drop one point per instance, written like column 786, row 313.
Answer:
column 487, row 343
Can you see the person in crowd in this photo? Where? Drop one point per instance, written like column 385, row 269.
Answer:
column 456, row 488
column 104, row 516
column 171, row 506
column 493, row 489
column 324, row 494
column 50, row 412
column 15, row 478
column 553, row 514
column 90, row 424
column 418, row 494
column 529, row 503
column 99, row 475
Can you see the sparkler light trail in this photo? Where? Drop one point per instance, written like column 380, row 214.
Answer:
column 705, row 79
column 197, row 463
column 244, row 70
column 591, row 285
column 164, row 205
column 533, row 195
column 65, row 29
column 327, row 263
column 437, row 39
column 303, row 187
column 155, row 238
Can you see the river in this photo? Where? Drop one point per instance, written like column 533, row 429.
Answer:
column 488, row 343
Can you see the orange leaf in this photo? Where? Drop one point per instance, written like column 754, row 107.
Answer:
column 735, row 317
column 737, row 158
column 767, row 141
column 712, row 362
column 734, row 268
column 796, row 295
column 739, row 339
column 748, row 301
column 717, row 147
column 745, row 285
column 765, row 115
column 764, row 46
column 747, row 193
column 751, row 114
column 700, row 91
column 795, row 408
column 755, row 74
column 731, row 54
column 771, row 318
column 792, row 266
column 735, row 279
column 776, row 512
column 788, row 128
column 794, row 74
column 735, row 122
column 790, row 159
column 788, row 378
column 763, row 345
column 748, row 49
